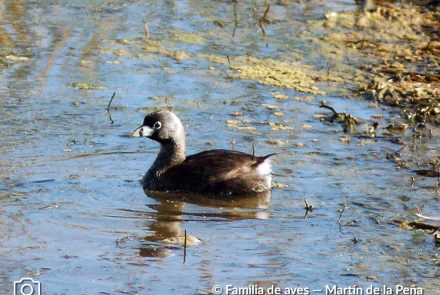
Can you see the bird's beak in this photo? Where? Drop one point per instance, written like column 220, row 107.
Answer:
column 142, row 131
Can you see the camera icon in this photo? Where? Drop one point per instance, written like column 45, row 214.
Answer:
column 27, row 286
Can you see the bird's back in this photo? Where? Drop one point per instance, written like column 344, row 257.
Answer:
column 222, row 172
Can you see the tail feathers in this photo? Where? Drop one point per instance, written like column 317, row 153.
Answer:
column 267, row 156
column 261, row 160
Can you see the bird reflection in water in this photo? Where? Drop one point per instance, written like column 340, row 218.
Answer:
column 166, row 230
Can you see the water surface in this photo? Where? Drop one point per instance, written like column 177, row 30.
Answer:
column 74, row 216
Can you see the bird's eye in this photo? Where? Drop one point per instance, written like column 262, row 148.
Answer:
column 157, row 125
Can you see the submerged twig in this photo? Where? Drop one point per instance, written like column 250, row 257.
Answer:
column 437, row 237
column 229, row 60
column 262, row 28
column 147, row 32
column 108, row 108
column 355, row 240
column 234, row 3
column 340, row 214
column 184, row 248
column 427, row 172
column 372, row 130
column 308, row 207
column 423, row 226
column 110, row 102
column 326, row 106
column 219, row 23
column 341, row 211
column 349, row 122
column 328, row 74
column 362, row 42
column 264, row 20
column 123, row 239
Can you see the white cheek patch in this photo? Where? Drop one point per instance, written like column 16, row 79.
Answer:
column 142, row 131
column 147, row 131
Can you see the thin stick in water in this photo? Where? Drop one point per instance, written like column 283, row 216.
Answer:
column 340, row 212
column 264, row 20
column 308, row 207
column 110, row 102
column 147, row 32
column 184, row 248
column 234, row 3
column 265, row 13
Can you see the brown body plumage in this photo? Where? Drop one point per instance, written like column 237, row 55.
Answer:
column 219, row 172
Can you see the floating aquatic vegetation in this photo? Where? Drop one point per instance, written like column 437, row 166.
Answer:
column 125, row 41
column 156, row 47
column 236, row 114
column 238, row 124
column 113, row 62
column 85, row 62
column 398, row 128
column 349, row 122
column 270, row 106
column 246, row 128
column 180, row 240
column 432, row 171
column 87, row 86
column 278, row 126
column 390, row 54
column 279, row 185
column 306, row 126
column 272, row 72
column 219, row 23
column 233, row 122
column 416, row 225
column 427, row 172
column 120, row 52
column 306, row 99
column 364, row 142
column 344, row 139
column 371, row 130
column 276, row 141
column 188, row 37
column 276, row 73
column 280, row 96
column 387, row 48
column 216, row 58
column 16, row 58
